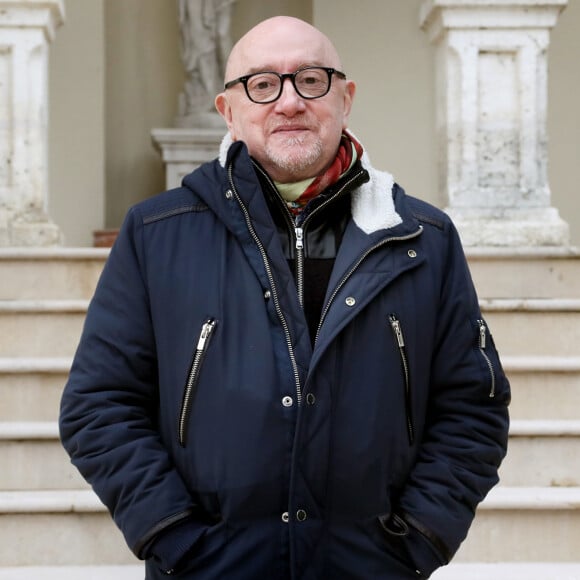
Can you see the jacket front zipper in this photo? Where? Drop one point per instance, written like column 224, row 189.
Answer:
column 299, row 230
column 300, row 264
column 193, row 378
column 398, row 332
column 299, row 233
column 273, row 288
column 482, row 345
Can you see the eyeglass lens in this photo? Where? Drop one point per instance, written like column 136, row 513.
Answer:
column 309, row 83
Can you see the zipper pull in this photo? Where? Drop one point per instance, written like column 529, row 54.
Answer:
column 206, row 331
column 481, row 334
column 396, row 325
column 299, row 238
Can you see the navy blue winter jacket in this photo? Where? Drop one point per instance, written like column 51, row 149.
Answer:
column 227, row 446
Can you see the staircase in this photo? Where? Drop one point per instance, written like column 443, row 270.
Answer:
column 529, row 526
column 52, row 526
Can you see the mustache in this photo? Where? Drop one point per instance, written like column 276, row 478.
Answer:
column 289, row 125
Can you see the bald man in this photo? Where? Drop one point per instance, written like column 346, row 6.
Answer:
column 284, row 372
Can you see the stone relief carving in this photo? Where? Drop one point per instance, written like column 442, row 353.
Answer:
column 205, row 46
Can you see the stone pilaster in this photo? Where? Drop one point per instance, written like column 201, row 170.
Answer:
column 185, row 149
column 26, row 29
column 491, row 71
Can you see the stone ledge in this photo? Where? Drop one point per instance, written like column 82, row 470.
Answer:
column 58, row 253
column 508, row 571
column 73, row 573
column 525, row 364
column 544, row 428
column 28, row 430
column 42, row 430
column 42, row 365
column 40, row 305
column 530, row 304
column 513, row 364
column 532, row 499
column 521, row 253
column 82, row 501
column 50, row 502
column 459, row 571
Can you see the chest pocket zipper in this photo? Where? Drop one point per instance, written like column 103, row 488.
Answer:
column 193, row 378
column 482, row 343
column 398, row 332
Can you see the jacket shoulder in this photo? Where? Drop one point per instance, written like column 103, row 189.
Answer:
column 168, row 204
column 427, row 213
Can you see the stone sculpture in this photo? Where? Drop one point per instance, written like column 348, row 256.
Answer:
column 205, row 45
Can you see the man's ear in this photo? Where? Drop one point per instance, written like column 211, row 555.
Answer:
column 223, row 108
column 349, row 93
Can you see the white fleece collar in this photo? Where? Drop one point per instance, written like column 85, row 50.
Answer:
column 372, row 204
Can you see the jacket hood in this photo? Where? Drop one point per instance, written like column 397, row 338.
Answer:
column 372, row 203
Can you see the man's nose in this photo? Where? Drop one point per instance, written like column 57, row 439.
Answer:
column 290, row 99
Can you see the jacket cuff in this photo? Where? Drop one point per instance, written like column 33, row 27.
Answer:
column 174, row 544
column 408, row 537
column 422, row 553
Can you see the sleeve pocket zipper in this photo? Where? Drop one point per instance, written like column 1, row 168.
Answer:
column 193, row 377
column 482, row 344
column 398, row 332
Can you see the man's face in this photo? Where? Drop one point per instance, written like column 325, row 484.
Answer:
column 292, row 138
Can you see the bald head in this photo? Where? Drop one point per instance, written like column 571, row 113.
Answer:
column 292, row 136
column 280, row 36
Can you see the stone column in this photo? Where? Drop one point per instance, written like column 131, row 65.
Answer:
column 26, row 29
column 491, row 71
column 185, row 149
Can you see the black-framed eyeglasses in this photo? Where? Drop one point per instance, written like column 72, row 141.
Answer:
column 310, row 82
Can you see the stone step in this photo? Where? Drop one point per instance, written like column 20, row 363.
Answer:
column 542, row 453
column 60, row 273
column 31, row 388
column 41, row 328
column 475, row 571
column 512, row 524
column 525, row 272
column 534, row 327
column 544, row 387
column 504, row 571
column 525, row 524
column 127, row 572
column 58, row 528
column 36, row 458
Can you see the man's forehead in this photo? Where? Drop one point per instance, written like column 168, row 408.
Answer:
column 274, row 66
column 281, row 62
column 282, row 47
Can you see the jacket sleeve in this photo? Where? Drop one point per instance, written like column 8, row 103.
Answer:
column 466, row 433
column 110, row 402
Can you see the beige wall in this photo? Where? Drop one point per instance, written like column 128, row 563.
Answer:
column 390, row 57
column 77, row 122
column 101, row 120
column 248, row 13
column 564, row 117
column 144, row 77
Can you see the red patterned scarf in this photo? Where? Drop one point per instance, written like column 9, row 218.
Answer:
column 341, row 163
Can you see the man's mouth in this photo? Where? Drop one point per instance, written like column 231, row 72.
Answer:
column 290, row 129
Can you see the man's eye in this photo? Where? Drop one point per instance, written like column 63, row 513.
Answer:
column 263, row 83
